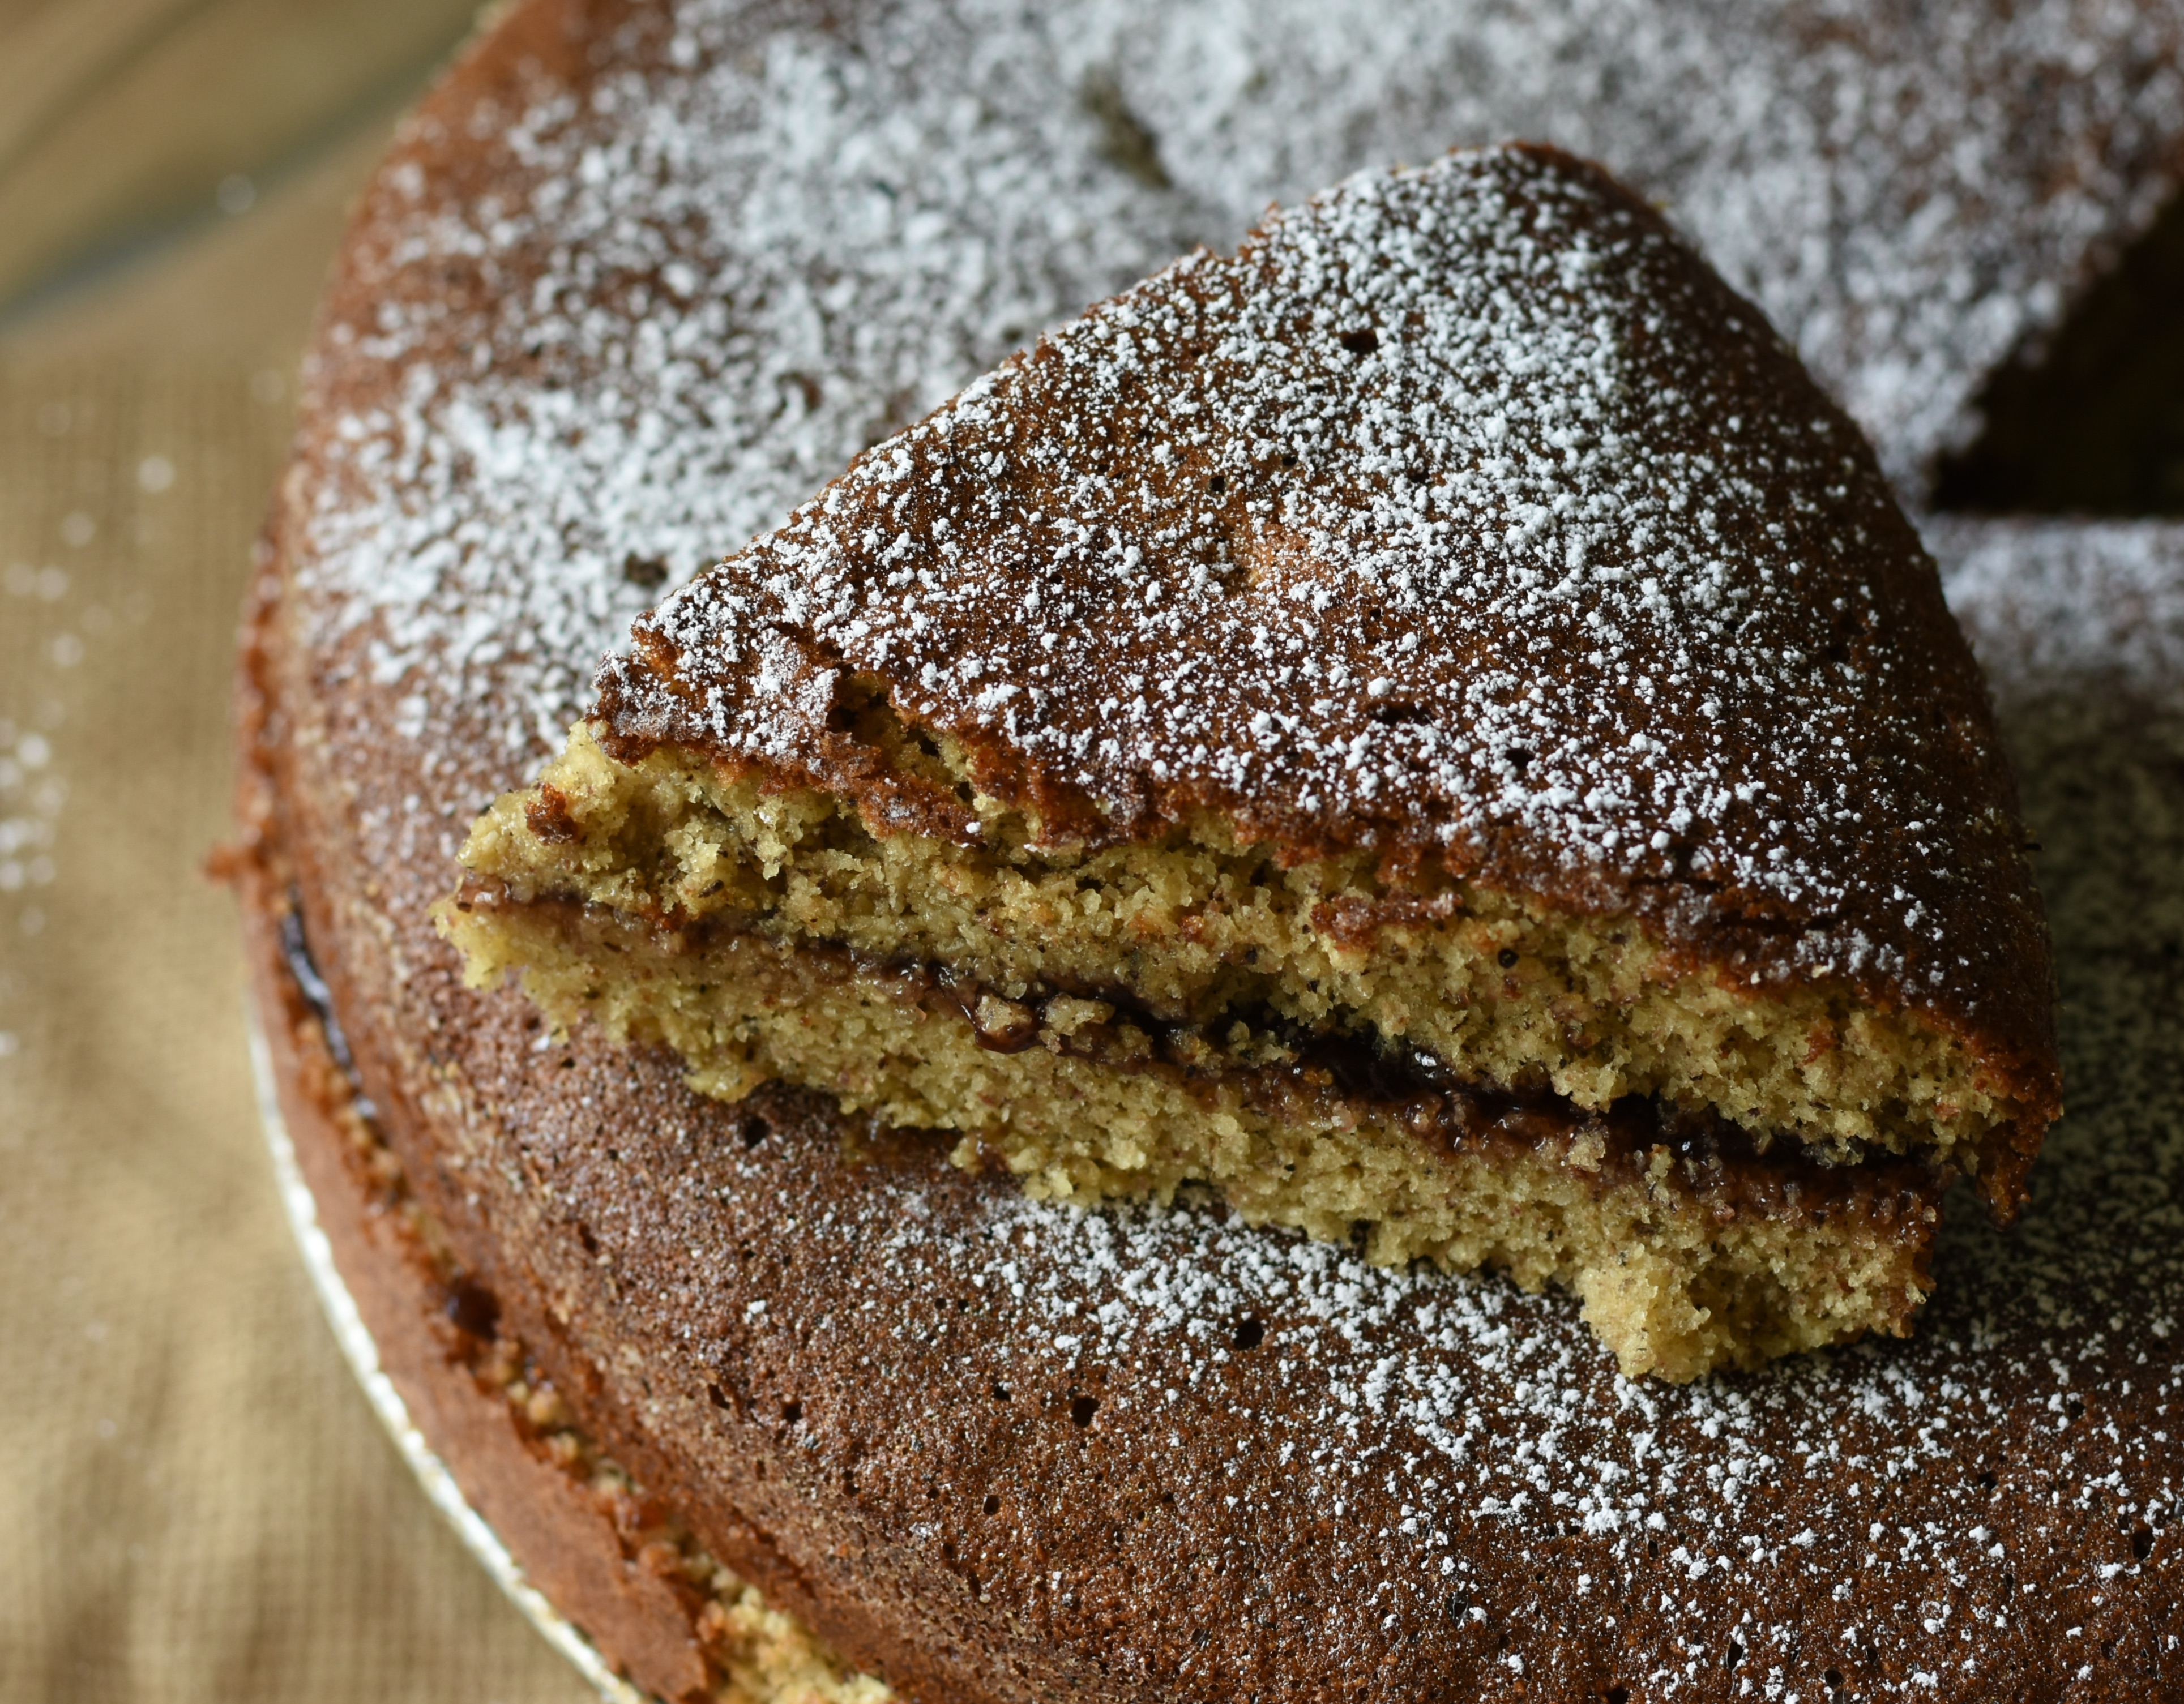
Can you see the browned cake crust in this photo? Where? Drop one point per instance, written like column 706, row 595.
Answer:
column 435, row 1331
column 997, row 1451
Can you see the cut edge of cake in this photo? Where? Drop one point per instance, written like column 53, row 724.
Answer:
column 1692, row 1244
column 790, row 844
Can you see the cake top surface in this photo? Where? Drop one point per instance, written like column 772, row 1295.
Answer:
column 692, row 282
column 540, row 392
column 1464, row 509
column 1405, row 1448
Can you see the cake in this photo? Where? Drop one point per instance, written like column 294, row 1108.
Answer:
column 632, row 285
column 1433, row 725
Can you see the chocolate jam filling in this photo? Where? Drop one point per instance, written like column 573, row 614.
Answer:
column 1420, row 1092
column 1319, row 1071
column 296, row 953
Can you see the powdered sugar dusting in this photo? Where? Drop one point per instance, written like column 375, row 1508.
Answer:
column 743, row 262
column 1908, row 192
column 1451, row 1471
column 2043, row 598
column 1461, row 505
column 826, row 244
column 1947, row 1509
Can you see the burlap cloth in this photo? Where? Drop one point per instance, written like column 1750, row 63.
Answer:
column 195, row 1502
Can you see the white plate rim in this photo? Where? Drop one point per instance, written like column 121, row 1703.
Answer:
column 362, row 1354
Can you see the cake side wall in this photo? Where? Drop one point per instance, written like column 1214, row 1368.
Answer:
column 406, row 1020
column 564, row 1545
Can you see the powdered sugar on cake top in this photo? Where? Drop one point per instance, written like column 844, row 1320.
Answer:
column 776, row 243
column 2013, row 1472
column 2024, row 1450
column 1463, row 507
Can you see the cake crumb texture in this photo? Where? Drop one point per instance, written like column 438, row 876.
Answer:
column 1208, row 935
column 1681, row 1271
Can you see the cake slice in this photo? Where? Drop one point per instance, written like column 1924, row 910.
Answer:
column 1433, row 726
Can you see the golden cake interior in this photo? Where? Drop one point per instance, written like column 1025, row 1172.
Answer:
column 1121, row 1021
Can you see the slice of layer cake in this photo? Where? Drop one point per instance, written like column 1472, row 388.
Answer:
column 1433, row 726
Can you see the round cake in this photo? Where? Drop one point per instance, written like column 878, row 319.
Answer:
column 766, row 1399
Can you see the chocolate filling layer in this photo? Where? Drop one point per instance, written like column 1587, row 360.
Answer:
column 296, row 953
column 1413, row 1089
column 1334, row 1075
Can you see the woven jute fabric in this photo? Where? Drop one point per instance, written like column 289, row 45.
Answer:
column 196, row 1503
